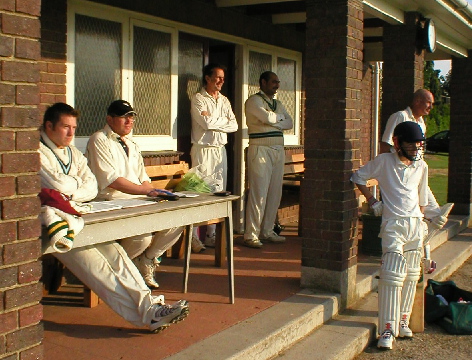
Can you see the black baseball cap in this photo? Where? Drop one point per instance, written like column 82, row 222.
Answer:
column 120, row 108
column 409, row 131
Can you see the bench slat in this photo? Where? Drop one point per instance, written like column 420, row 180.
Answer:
column 293, row 158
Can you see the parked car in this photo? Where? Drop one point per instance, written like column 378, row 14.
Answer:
column 438, row 142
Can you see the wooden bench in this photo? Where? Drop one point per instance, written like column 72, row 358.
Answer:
column 294, row 169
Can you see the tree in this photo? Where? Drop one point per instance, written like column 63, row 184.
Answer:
column 439, row 117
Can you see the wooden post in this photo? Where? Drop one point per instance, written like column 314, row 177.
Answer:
column 90, row 298
column 417, row 314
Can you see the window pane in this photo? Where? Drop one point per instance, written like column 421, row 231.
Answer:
column 258, row 63
column 97, row 70
column 151, row 81
column 286, row 70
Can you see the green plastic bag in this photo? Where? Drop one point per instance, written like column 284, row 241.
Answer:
column 192, row 182
column 444, row 308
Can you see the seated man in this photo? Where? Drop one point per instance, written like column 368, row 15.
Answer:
column 104, row 268
column 116, row 161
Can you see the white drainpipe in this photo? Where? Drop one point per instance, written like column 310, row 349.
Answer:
column 376, row 110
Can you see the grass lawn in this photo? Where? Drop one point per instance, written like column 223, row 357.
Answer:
column 438, row 168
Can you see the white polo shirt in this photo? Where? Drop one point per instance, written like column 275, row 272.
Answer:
column 403, row 188
column 108, row 161
column 397, row 118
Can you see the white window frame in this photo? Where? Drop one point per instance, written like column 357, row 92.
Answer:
column 128, row 20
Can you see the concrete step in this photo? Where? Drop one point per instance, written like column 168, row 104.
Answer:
column 308, row 325
column 266, row 334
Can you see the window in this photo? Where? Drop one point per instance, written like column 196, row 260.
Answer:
column 114, row 56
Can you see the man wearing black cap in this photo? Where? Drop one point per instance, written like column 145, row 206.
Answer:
column 116, row 161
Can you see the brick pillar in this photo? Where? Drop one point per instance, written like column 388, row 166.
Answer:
column 53, row 52
column 402, row 72
column 460, row 161
column 333, row 70
column 20, row 269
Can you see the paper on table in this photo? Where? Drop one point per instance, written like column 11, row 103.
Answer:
column 127, row 203
column 180, row 194
column 98, row 206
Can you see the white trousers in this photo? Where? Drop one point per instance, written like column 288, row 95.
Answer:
column 402, row 243
column 265, row 166
column 214, row 160
column 108, row 271
column 153, row 245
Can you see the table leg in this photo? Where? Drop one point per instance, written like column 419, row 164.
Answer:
column 220, row 246
column 229, row 253
column 188, row 249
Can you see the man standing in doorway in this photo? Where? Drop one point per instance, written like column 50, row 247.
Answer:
column 266, row 119
column 212, row 119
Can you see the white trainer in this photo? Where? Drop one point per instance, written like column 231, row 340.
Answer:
column 405, row 331
column 273, row 237
column 197, row 245
column 147, row 267
column 168, row 314
column 210, row 241
column 386, row 340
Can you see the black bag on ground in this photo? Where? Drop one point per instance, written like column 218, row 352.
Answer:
column 454, row 316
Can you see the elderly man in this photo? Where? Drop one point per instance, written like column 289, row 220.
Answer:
column 116, row 161
column 266, row 119
column 104, row 268
column 421, row 105
column 212, row 119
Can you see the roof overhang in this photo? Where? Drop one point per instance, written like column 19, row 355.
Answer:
column 453, row 20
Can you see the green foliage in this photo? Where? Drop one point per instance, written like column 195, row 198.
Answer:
column 439, row 118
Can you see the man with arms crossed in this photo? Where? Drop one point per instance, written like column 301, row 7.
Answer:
column 266, row 119
column 212, row 119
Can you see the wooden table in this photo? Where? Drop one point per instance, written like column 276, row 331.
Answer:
column 118, row 224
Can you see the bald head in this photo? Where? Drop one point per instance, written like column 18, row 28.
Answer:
column 422, row 103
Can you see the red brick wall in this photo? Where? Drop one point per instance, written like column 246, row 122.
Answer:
column 52, row 64
column 20, row 270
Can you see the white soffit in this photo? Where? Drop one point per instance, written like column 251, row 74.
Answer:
column 384, row 10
